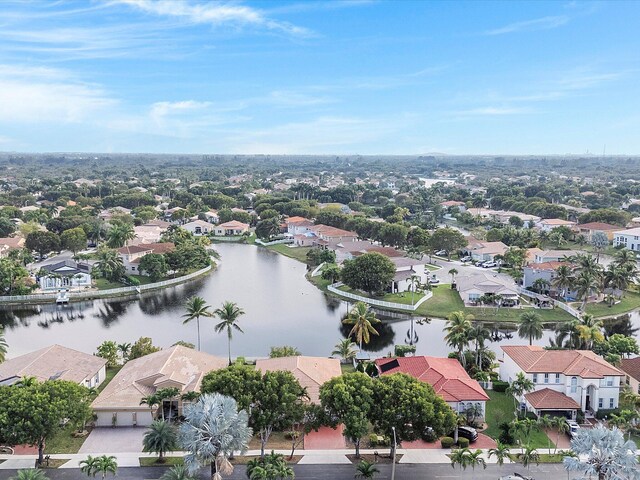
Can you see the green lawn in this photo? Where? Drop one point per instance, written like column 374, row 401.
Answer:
column 403, row 298
column 500, row 409
column 64, row 442
column 543, row 458
column 297, row 253
column 347, row 368
column 442, row 303
column 104, row 284
column 433, row 268
column 153, row 461
column 629, row 302
column 111, row 372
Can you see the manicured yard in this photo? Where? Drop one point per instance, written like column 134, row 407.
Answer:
column 403, row 298
column 64, row 442
column 543, row 458
column 347, row 367
column 629, row 302
column 104, row 284
column 297, row 253
column 442, row 303
column 499, row 410
column 153, row 461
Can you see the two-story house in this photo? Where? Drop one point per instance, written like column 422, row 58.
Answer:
column 565, row 381
column 131, row 254
column 629, row 239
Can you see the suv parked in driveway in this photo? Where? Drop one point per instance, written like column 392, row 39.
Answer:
column 573, row 428
column 469, row 433
column 489, row 264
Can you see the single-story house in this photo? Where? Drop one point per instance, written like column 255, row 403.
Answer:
column 65, row 274
column 180, row 367
column 230, row 228
column 631, row 368
column 453, row 203
column 472, row 287
column 199, row 227
column 549, row 224
column 447, row 377
column 311, row 372
column 10, row 243
column 579, row 379
column 131, row 254
column 55, row 363
column 147, row 234
column 481, row 251
column 406, row 268
column 588, row 229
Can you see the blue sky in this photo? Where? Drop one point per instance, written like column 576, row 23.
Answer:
column 358, row 76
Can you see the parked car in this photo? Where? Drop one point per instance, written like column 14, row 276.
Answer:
column 573, row 428
column 489, row 264
column 465, row 259
column 442, row 253
column 469, row 433
column 433, row 279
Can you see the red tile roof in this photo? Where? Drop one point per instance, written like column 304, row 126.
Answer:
column 580, row 363
column 598, row 226
column 445, row 375
column 547, row 265
column 631, row 366
column 331, row 232
column 547, row 399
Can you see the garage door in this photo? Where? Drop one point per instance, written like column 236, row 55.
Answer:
column 123, row 418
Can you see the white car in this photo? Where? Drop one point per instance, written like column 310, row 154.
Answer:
column 573, row 428
column 489, row 264
column 441, row 253
column 465, row 259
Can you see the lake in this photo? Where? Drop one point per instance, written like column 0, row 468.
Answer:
column 282, row 308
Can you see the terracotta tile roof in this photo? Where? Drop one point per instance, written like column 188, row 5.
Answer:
column 451, row 203
column 598, row 226
column 54, row 361
column 296, row 220
column 557, row 221
column 580, row 363
column 547, row 265
column 233, row 224
column 445, row 375
column 631, row 366
column 311, row 372
column 330, row 232
column 547, row 399
column 12, row 242
column 147, row 247
column 178, row 366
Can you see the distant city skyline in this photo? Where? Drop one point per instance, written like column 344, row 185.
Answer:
column 320, row 77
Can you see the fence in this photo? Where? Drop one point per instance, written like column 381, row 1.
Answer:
column 378, row 303
column 113, row 292
column 563, row 306
column 274, row 242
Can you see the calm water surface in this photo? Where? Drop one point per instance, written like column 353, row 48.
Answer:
column 282, row 308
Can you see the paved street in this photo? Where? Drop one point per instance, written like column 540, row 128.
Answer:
column 342, row 472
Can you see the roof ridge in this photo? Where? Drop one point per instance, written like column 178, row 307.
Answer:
column 37, row 357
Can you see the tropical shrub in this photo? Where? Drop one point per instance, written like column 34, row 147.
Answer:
column 463, row 442
column 446, row 442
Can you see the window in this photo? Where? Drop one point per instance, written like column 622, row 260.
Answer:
column 535, row 378
column 600, row 403
column 557, row 378
column 96, row 379
column 611, row 403
column 546, row 378
column 609, row 381
column 574, row 384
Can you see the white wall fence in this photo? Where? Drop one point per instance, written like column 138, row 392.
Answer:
column 274, row 242
column 378, row 303
column 567, row 308
column 113, row 292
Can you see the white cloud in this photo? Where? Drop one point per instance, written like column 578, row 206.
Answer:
column 215, row 14
column 40, row 94
column 544, row 23
column 494, row 111
column 163, row 109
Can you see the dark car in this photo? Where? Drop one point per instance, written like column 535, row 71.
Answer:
column 468, row 432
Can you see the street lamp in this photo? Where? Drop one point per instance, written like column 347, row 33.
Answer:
column 395, row 446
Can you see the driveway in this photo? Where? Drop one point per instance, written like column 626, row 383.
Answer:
column 113, row 440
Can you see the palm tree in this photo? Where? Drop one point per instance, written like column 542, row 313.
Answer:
column 530, row 326
column 366, row 469
column 561, row 426
column 196, row 308
column 474, row 458
column 228, row 314
column 124, row 349
column 109, row 264
column 458, row 330
column 177, row 472
column 590, row 330
column 586, row 283
column 3, row 345
column 151, row 401
column 190, row 397
column 26, row 381
column 160, row 438
column 459, row 457
column 501, row 452
column 546, row 422
column 529, row 456
column 519, row 387
column 103, row 464
column 29, row 474
column 625, row 258
column 269, row 467
column 362, row 319
column 479, row 334
column 346, row 350
column 167, row 394
column 119, row 235
column 212, row 430
column 563, row 280
column 453, row 272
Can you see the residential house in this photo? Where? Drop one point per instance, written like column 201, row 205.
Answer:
column 453, row 204
column 55, row 363
column 231, row 228
column 589, row 229
column 324, row 236
column 629, row 239
column 545, row 256
column 131, row 254
column 504, row 216
column 66, row 274
column 531, row 254
column 541, row 271
column 481, row 251
column 199, row 228
column 212, row 216
column 10, row 243
column 549, row 224
column 447, row 377
column 148, row 233
column 109, row 213
column 631, row 368
column 118, row 405
column 565, row 381
column 298, row 225
column 473, row 287
column 350, row 250
column 406, row 269
column 311, row 372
